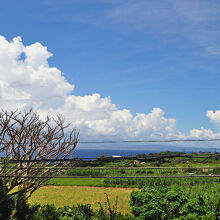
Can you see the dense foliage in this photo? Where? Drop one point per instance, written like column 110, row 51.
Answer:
column 160, row 202
column 6, row 202
column 78, row 212
column 23, row 211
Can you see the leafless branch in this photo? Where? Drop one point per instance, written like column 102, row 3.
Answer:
column 26, row 137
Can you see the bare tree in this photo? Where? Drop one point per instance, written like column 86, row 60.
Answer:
column 30, row 147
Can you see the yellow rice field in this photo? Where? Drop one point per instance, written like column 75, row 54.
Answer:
column 69, row 195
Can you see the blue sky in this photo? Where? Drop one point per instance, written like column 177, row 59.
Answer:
column 141, row 53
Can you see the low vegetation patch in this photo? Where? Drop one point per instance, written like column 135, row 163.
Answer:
column 69, row 195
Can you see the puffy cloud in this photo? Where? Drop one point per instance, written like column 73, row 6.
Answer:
column 214, row 116
column 30, row 81
column 99, row 116
column 204, row 133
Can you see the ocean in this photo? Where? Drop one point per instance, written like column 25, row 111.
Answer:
column 94, row 153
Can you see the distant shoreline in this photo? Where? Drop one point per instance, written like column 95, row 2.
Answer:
column 94, row 153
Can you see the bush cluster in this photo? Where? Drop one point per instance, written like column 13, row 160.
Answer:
column 161, row 202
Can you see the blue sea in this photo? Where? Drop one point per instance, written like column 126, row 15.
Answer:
column 94, row 153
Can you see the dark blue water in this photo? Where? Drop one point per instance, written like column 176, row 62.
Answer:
column 94, row 153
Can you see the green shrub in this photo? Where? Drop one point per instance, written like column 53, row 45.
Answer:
column 150, row 172
column 160, row 202
column 6, row 202
column 47, row 212
column 22, row 209
column 109, row 211
column 79, row 212
column 122, row 171
column 217, row 211
column 89, row 172
column 216, row 171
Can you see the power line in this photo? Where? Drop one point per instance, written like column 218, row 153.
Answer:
column 115, row 168
column 106, row 177
column 148, row 141
column 106, row 159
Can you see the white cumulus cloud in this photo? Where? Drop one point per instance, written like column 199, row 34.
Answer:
column 214, row 116
column 30, row 81
column 204, row 133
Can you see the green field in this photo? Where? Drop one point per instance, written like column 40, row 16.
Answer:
column 207, row 187
column 81, row 190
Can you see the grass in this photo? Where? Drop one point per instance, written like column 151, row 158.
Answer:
column 140, row 171
column 207, row 188
column 77, row 182
column 132, row 182
column 69, row 195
